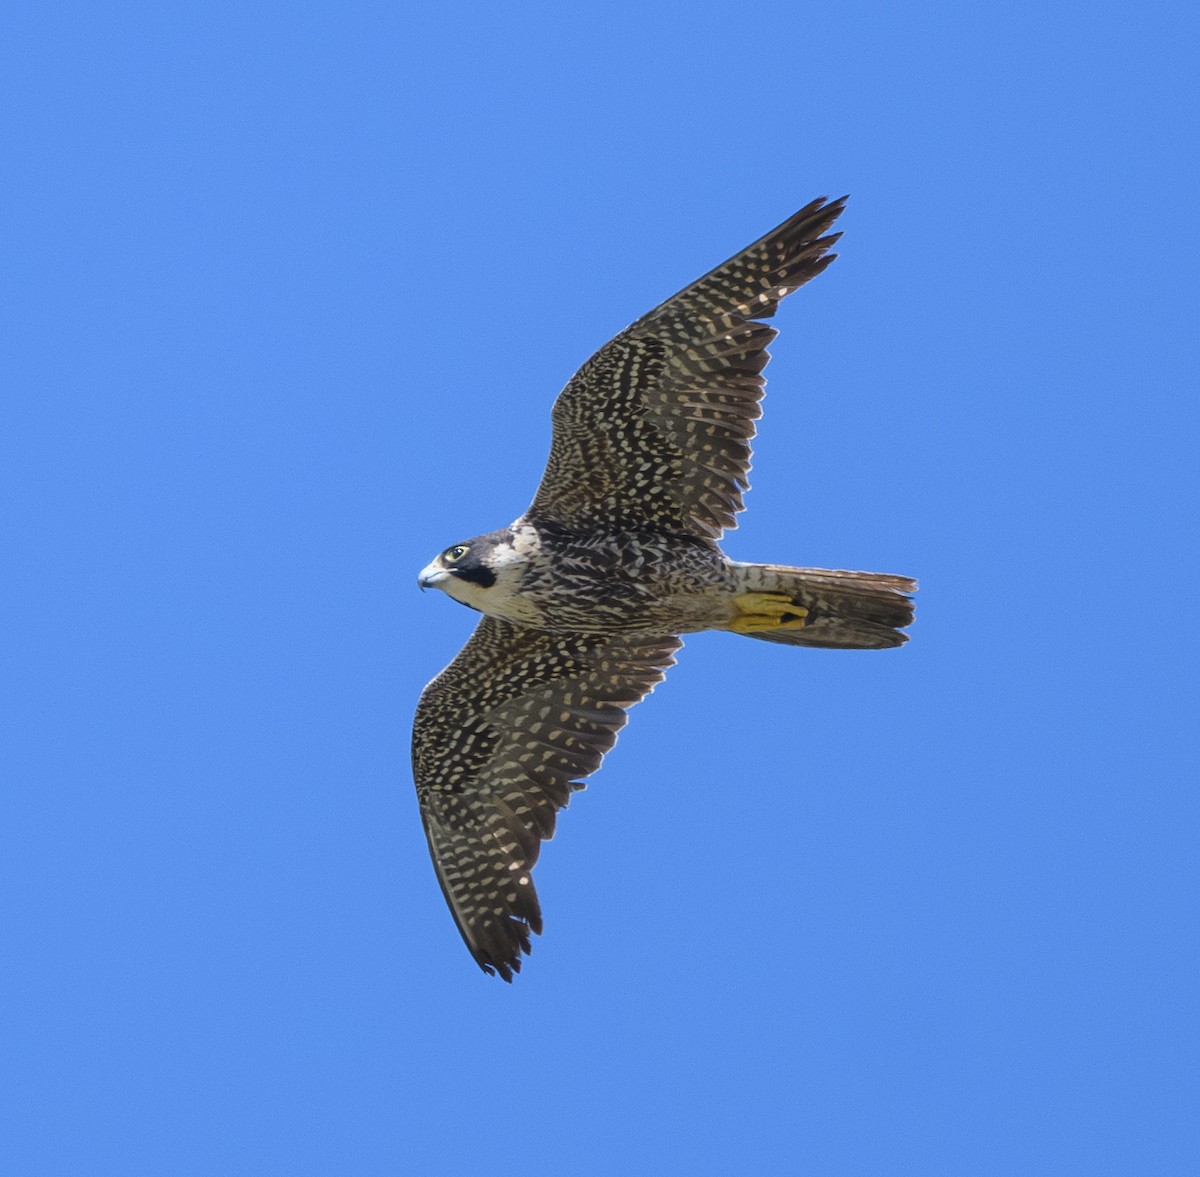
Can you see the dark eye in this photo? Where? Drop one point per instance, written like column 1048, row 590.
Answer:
column 455, row 553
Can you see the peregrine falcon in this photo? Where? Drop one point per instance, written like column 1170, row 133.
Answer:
column 585, row 595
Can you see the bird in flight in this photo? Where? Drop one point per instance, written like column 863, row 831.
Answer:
column 585, row 596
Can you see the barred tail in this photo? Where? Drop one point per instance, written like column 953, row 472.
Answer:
column 822, row 607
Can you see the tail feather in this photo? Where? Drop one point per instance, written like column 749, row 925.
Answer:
column 845, row 610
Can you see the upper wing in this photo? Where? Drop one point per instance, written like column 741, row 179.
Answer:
column 654, row 430
column 500, row 739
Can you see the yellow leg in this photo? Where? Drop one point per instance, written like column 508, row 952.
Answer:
column 758, row 611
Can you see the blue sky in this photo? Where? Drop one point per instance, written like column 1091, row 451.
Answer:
column 289, row 294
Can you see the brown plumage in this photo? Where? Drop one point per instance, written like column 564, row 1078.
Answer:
column 655, row 428
column 585, row 595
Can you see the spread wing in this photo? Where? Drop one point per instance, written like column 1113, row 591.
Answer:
column 653, row 432
column 500, row 741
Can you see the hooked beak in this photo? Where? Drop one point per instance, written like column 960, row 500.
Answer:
column 431, row 576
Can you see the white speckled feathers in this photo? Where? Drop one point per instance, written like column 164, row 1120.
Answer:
column 654, row 431
column 501, row 738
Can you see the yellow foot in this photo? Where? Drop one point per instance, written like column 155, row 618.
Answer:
column 758, row 611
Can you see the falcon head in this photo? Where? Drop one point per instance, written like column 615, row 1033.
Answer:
column 467, row 571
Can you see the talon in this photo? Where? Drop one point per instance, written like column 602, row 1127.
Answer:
column 756, row 612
